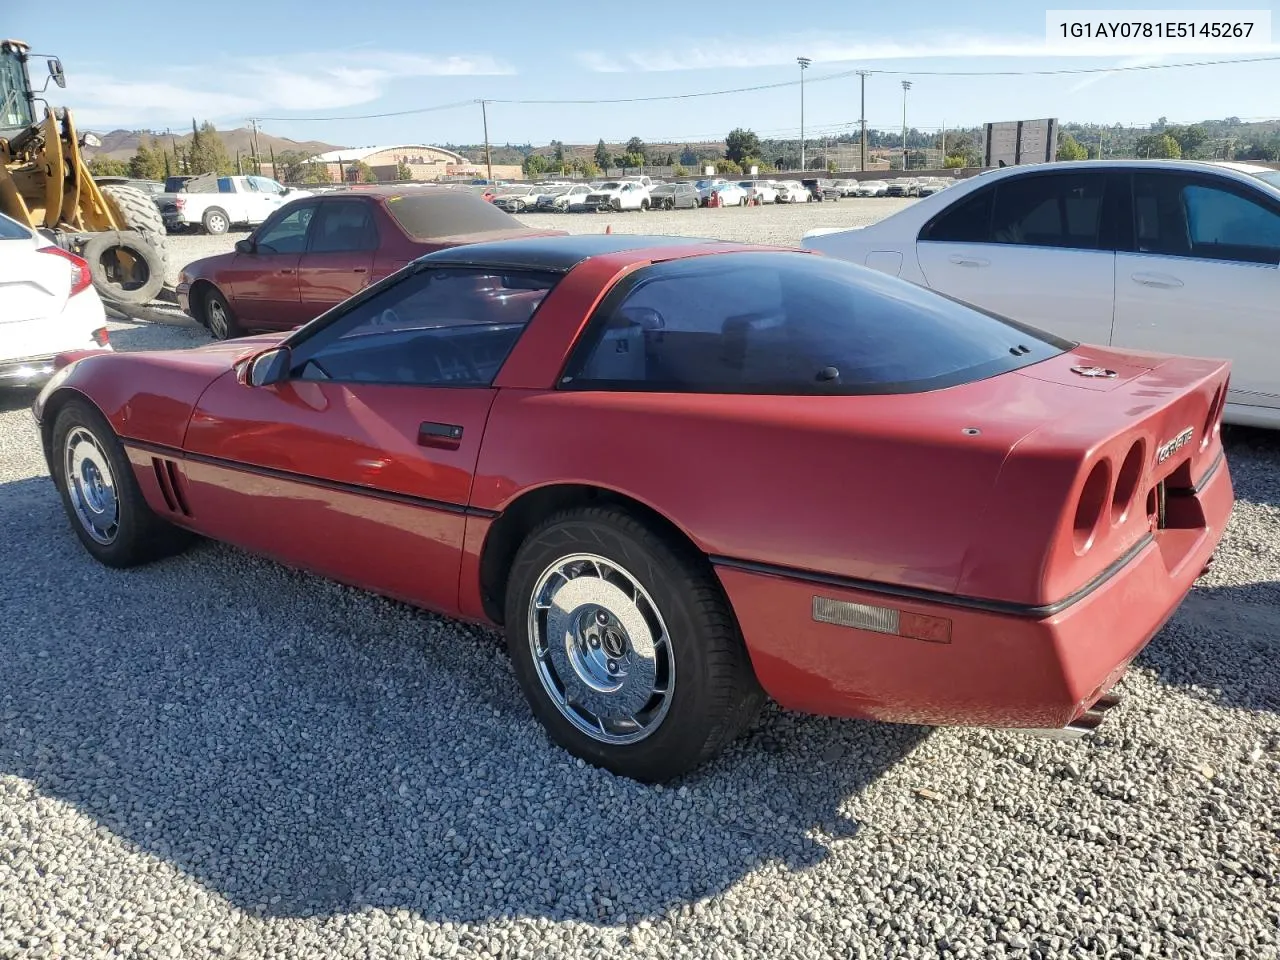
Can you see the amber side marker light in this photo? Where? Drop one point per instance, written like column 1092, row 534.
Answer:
column 898, row 623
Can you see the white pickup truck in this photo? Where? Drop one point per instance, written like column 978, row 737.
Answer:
column 216, row 203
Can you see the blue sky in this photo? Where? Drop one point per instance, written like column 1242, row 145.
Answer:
column 324, row 58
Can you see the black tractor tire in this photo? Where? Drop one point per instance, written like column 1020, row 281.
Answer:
column 714, row 694
column 136, row 211
column 217, row 316
column 141, row 283
column 138, row 535
column 215, row 221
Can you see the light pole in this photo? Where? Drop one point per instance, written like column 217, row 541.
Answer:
column 906, row 85
column 804, row 65
column 862, row 162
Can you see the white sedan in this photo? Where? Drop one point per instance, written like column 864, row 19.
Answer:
column 793, row 191
column 1166, row 256
column 766, row 190
column 872, row 188
column 47, row 305
column 728, row 195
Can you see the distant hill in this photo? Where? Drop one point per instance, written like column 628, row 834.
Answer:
column 123, row 144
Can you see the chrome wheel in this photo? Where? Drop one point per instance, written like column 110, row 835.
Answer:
column 215, row 311
column 91, row 486
column 601, row 649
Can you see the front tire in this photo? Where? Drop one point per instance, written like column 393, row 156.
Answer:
column 218, row 317
column 101, row 494
column 625, row 645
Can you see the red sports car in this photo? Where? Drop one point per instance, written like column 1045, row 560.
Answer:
column 313, row 253
column 683, row 475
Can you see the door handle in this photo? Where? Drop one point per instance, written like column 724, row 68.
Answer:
column 445, row 436
column 360, row 270
column 969, row 261
column 1162, row 280
column 286, row 273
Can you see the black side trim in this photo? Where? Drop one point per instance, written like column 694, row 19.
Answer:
column 937, row 596
column 443, row 506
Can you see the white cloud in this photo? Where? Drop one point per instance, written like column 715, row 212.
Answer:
column 827, row 48
column 233, row 90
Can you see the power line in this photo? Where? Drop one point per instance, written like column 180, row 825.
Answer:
column 1070, row 71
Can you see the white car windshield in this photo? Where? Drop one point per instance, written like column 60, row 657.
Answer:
column 611, row 185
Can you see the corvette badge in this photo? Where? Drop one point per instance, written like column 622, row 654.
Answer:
column 1167, row 450
column 1101, row 372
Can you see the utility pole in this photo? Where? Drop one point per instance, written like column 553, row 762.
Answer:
column 944, row 142
column 256, row 155
column 906, row 85
column 488, row 159
column 804, row 65
column 862, row 166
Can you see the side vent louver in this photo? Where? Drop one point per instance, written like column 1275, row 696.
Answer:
column 170, row 485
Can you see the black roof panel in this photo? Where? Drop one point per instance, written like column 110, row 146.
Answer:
column 560, row 254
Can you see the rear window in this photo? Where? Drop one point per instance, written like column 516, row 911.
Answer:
column 12, row 229
column 798, row 324
column 445, row 214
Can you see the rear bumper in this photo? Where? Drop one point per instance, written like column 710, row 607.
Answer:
column 999, row 669
column 29, row 371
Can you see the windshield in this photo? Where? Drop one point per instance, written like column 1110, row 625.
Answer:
column 611, row 185
column 15, row 111
column 784, row 323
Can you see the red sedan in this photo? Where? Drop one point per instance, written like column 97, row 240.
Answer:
column 683, row 475
column 313, row 253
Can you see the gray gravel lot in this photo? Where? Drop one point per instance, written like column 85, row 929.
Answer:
column 217, row 756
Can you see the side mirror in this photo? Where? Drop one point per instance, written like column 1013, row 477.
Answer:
column 55, row 71
column 270, row 366
column 244, row 246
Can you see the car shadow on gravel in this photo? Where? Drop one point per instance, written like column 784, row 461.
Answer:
column 303, row 749
column 17, row 398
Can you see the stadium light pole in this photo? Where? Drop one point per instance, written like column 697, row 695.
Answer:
column 906, row 85
column 804, row 65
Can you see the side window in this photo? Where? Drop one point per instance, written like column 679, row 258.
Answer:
column 287, row 234
column 439, row 327
column 1055, row 210
column 1180, row 217
column 968, row 221
column 225, row 185
column 343, row 226
column 781, row 323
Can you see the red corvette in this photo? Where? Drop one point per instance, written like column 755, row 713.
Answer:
column 684, row 475
column 314, row 252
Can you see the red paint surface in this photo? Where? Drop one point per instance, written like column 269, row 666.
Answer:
column 888, row 489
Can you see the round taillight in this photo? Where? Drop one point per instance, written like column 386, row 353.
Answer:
column 1127, row 482
column 1093, row 501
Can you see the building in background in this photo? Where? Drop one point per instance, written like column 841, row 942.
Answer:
column 424, row 162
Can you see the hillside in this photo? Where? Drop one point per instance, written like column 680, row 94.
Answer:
column 122, row 144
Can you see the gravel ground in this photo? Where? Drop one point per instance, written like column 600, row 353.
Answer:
column 216, row 756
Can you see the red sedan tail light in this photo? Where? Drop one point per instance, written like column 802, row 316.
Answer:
column 81, row 278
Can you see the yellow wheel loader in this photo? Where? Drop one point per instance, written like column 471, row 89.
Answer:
column 46, row 185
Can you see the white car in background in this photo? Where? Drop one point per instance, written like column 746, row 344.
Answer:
column 793, row 191
column 728, row 195
column 1167, row 256
column 569, row 198
column 519, row 199
column 872, row 188
column 618, row 195
column 47, row 305
column 766, row 190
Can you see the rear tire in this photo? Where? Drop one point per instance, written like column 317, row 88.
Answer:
column 101, row 494
column 215, row 221
column 665, row 675
column 132, row 280
column 218, row 317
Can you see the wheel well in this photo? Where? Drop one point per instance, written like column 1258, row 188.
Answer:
column 530, row 509
column 199, row 290
column 49, row 415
